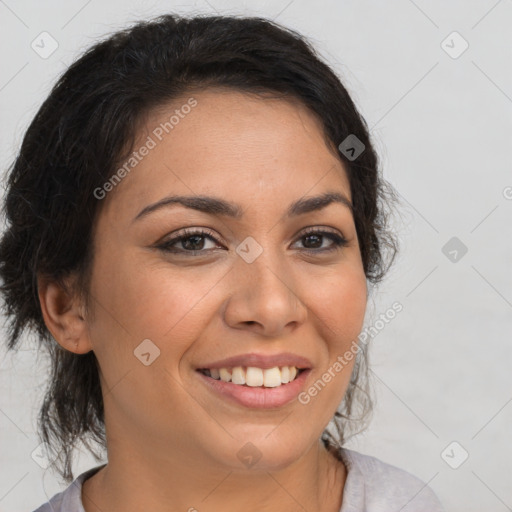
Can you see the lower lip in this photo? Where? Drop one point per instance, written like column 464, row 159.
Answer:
column 258, row 397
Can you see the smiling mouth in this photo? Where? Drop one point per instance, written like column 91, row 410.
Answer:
column 254, row 377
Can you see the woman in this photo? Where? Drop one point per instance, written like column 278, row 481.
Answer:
column 193, row 220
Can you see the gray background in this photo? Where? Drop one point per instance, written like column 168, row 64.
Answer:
column 442, row 125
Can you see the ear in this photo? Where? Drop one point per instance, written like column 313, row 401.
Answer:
column 63, row 315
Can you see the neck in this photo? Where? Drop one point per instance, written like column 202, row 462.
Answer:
column 135, row 481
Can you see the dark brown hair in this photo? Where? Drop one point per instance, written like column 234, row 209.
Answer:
column 88, row 124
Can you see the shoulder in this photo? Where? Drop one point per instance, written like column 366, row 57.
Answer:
column 380, row 486
column 70, row 499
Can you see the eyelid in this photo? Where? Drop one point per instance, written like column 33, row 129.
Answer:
column 336, row 236
column 190, row 231
column 186, row 233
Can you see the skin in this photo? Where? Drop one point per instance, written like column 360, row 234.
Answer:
column 172, row 443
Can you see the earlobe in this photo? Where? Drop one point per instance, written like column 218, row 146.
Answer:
column 63, row 316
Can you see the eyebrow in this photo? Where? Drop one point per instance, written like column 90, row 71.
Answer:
column 216, row 206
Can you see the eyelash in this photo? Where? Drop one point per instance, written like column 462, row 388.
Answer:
column 337, row 241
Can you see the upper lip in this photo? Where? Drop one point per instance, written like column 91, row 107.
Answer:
column 261, row 361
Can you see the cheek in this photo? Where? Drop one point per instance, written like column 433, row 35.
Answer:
column 154, row 304
column 137, row 301
column 339, row 302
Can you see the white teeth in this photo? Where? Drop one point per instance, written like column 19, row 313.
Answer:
column 255, row 377
column 225, row 374
column 238, row 376
column 271, row 377
column 285, row 374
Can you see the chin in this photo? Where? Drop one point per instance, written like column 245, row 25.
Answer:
column 263, row 452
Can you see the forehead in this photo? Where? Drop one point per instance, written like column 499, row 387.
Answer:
column 229, row 143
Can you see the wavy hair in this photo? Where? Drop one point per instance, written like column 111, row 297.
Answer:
column 89, row 122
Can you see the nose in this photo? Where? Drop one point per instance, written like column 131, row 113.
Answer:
column 265, row 297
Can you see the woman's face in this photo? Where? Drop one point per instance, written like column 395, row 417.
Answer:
column 258, row 286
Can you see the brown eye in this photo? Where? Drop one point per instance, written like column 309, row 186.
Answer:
column 314, row 239
column 191, row 242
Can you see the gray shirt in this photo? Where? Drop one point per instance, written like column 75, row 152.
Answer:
column 371, row 486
